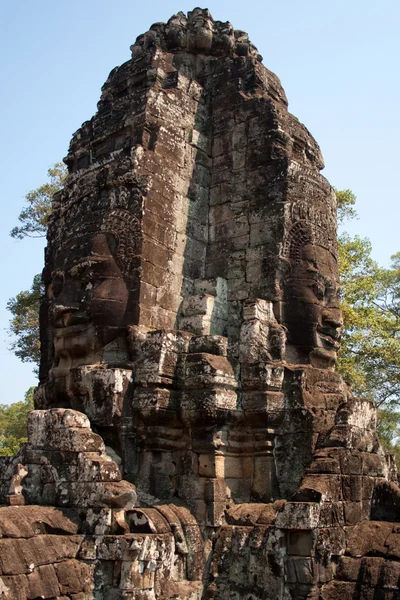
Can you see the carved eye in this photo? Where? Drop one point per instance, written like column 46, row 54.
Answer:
column 319, row 289
column 57, row 283
column 324, row 288
column 86, row 277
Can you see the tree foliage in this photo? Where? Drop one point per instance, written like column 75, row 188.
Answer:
column 346, row 200
column 24, row 323
column 13, row 420
column 388, row 429
column 24, row 307
column 370, row 354
column 369, row 357
column 34, row 216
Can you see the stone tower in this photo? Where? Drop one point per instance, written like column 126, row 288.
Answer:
column 189, row 336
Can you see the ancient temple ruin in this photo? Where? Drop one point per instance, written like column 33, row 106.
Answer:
column 191, row 437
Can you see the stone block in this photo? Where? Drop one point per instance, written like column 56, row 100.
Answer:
column 210, row 344
column 207, row 402
column 332, row 514
column 98, row 521
column 393, row 544
column 352, row 513
column 198, row 324
column 219, row 213
column 215, row 513
column 373, row 465
column 222, row 466
column 324, row 465
column 103, row 392
column 94, row 468
column 298, row 515
column 74, row 577
column 368, row 485
column 211, row 465
column 237, row 467
column 216, row 490
column 329, row 487
column 330, row 541
column 370, row 572
column 195, row 558
column 158, row 356
column 352, row 488
column 348, row 568
column 264, row 402
column 390, row 575
column 368, row 537
column 137, row 575
column 76, row 440
column 262, row 376
column 43, row 583
column 192, row 487
column 264, row 483
column 240, row 489
column 200, row 304
column 119, row 494
column 41, row 423
column 299, row 570
column 339, row 590
column 300, row 543
column 208, row 370
column 260, row 310
column 158, row 398
column 22, row 556
column 14, row 587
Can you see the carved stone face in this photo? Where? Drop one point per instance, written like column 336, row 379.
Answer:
column 311, row 309
column 200, row 30
column 89, row 299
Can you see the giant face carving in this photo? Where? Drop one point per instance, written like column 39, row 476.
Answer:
column 311, row 310
column 200, row 30
column 91, row 300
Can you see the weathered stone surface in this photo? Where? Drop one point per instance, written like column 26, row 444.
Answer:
column 189, row 423
column 28, row 521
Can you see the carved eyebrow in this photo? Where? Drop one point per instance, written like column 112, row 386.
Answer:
column 312, row 261
column 325, row 278
column 312, row 268
column 87, row 262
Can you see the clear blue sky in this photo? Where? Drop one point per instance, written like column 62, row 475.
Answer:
column 338, row 62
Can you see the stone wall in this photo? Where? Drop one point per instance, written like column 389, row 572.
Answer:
column 191, row 438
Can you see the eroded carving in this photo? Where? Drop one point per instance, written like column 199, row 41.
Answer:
column 311, row 310
column 192, row 438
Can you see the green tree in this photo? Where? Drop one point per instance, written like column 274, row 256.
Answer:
column 388, row 430
column 24, row 307
column 13, row 420
column 370, row 354
column 369, row 358
column 35, row 215
column 346, row 200
column 24, row 323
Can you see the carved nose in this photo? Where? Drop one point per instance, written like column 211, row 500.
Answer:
column 61, row 314
column 61, row 309
column 332, row 321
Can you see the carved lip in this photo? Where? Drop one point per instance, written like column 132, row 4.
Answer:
column 71, row 330
column 329, row 341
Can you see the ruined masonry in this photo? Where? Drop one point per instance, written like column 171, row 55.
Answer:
column 191, row 439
